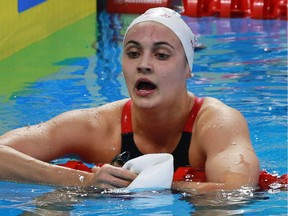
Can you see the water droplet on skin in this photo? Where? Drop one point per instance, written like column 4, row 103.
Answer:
column 236, row 163
column 81, row 178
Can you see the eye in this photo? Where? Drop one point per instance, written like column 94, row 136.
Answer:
column 162, row 56
column 132, row 54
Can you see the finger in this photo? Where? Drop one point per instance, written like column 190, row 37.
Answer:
column 105, row 186
column 123, row 174
column 107, row 180
column 118, row 183
column 115, row 176
column 95, row 169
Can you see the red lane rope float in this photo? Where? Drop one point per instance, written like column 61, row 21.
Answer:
column 257, row 9
column 196, row 8
column 283, row 8
column 265, row 9
column 265, row 182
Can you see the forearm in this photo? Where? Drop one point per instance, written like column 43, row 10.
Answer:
column 199, row 187
column 206, row 187
column 16, row 166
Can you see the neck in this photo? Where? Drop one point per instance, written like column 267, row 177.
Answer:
column 162, row 125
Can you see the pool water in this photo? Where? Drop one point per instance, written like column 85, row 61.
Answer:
column 244, row 65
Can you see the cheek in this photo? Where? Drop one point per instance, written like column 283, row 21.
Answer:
column 125, row 68
column 171, row 81
column 173, row 75
column 127, row 73
column 175, row 80
column 128, row 65
column 126, row 77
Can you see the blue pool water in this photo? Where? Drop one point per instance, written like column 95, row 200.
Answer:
column 244, row 64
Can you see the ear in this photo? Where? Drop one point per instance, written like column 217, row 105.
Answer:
column 188, row 73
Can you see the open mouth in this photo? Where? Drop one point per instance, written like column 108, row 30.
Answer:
column 145, row 85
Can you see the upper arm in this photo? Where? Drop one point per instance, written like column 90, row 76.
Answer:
column 225, row 139
column 85, row 133
column 51, row 139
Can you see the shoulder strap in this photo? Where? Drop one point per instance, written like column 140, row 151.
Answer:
column 193, row 114
column 126, row 121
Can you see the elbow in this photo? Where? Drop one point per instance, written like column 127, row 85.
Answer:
column 234, row 181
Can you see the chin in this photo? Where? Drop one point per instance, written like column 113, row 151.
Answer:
column 144, row 103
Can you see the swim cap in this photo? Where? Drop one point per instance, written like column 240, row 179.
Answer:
column 173, row 21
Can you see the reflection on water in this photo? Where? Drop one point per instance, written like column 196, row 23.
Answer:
column 225, row 203
column 92, row 201
column 244, row 65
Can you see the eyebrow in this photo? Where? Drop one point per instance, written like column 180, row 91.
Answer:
column 163, row 43
column 157, row 44
column 133, row 42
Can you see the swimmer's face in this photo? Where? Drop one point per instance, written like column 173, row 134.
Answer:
column 154, row 64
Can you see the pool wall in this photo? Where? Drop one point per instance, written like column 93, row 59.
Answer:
column 38, row 34
column 25, row 22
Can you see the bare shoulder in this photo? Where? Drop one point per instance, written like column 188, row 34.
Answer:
column 101, row 115
column 104, row 114
column 92, row 125
column 215, row 111
column 223, row 136
column 215, row 106
column 221, row 124
column 99, row 131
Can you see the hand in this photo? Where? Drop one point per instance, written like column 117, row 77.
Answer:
column 109, row 176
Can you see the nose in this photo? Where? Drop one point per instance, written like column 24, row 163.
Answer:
column 144, row 65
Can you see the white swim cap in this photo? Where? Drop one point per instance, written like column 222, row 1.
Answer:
column 173, row 21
